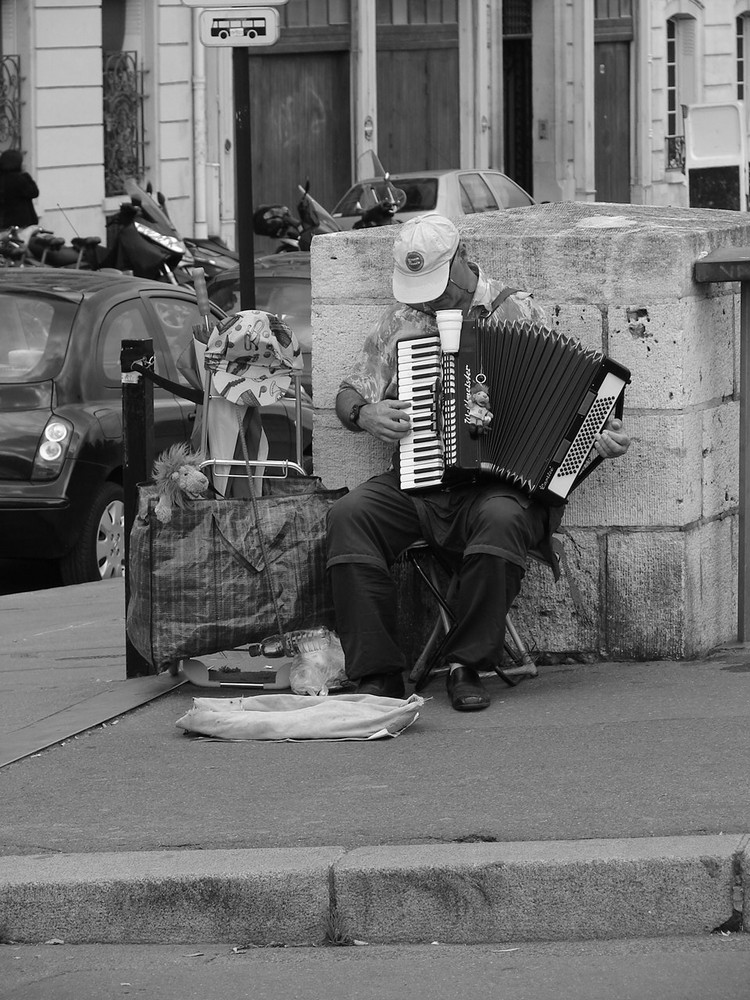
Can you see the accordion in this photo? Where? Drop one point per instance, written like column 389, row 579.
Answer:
column 547, row 397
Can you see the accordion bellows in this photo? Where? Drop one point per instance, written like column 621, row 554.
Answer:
column 548, row 394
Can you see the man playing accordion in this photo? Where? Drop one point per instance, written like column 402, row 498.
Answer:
column 487, row 529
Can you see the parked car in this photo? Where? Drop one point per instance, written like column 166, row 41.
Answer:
column 61, row 494
column 282, row 286
column 448, row 192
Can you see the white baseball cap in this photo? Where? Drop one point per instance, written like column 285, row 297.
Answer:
column 422, row 252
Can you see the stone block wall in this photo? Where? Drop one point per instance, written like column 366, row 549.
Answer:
column 650, row 540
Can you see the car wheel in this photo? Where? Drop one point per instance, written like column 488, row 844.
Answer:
column 100, row 551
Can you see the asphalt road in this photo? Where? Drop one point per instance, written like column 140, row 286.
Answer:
column 685, row 968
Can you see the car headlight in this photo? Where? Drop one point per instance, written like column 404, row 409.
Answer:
column 52, row 448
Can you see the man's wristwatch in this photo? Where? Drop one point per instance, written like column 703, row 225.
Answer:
column 354, row 413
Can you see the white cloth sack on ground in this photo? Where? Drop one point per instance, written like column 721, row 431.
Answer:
column 301, row 717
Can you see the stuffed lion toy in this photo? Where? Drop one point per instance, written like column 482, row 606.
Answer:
column 177, row 479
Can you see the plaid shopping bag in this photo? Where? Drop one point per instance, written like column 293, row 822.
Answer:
column 200, row 583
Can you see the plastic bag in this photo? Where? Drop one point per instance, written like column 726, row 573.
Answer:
column 318, row 671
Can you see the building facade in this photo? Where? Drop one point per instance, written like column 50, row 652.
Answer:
column 578, row 100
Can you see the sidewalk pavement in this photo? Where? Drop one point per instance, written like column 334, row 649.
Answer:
column 597, row 801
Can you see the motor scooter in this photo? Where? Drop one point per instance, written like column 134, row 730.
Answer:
column 12, row 247
column 43, row 247
column 314, row 218
column 160, row 252
column 278, row 223
column 140, row 248
column 210, row 253
column 33, row 246
column 376, row 209
column 294, row 233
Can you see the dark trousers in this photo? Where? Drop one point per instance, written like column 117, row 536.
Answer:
column 373, row 524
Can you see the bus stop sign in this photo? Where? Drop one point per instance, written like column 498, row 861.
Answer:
column 237, row 26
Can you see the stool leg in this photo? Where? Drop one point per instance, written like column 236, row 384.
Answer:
column 526, row 667
column 422, row 668
column 420, row 672
column 425, row 663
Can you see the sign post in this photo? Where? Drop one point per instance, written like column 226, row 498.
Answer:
column 243, row 171
column 241, row 26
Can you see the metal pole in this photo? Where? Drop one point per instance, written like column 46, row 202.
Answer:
column 244, row 175
column 743, row 549
column 137, row 460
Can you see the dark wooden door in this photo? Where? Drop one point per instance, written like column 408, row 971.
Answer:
column 518, row 112
column 299, row 126
column 612, row 121
column 418, row 106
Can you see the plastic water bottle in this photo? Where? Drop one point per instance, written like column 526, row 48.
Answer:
column 310, row 639
column 300, row 641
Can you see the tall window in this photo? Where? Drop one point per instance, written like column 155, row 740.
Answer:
column 10, row 94
column 123, row 98
column 681, row 85
column 605, row 10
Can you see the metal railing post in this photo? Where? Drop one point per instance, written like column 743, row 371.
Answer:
column 137, row 460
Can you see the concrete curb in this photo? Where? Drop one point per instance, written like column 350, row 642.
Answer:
column 465, row 893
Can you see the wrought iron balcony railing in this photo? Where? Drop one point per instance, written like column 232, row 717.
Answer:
column 676, row 152
column 123, row 120
column 10, row 102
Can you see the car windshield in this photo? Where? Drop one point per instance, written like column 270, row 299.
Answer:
column 34, row 334
column 421, row 193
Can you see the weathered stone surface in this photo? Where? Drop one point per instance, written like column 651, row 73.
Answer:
column 596, row 253
column 536, row 891
column 345, row 459
column 646, row 596
column 680, row 352
column 657, row 484
column 563, row 616
column 586, row 323
column 721, row 482
column 711, row 585
column 334, row 356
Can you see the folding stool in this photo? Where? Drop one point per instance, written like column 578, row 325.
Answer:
column 426, row 561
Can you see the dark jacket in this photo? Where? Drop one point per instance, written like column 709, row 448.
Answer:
column 17, row 189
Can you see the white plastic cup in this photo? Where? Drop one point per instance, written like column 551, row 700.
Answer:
column 449, row 323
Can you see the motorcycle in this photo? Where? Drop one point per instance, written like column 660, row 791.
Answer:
column 376, row 209
column 12, row 247
column 277, row 222
column 33, row 246
column 137, row 246
column 145, row 240
column 293, row 233
column 210, row 253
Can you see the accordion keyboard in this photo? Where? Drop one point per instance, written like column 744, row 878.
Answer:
column 421, row 451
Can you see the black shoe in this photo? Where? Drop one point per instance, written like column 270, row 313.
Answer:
column 382, row 685
column 466, row 691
